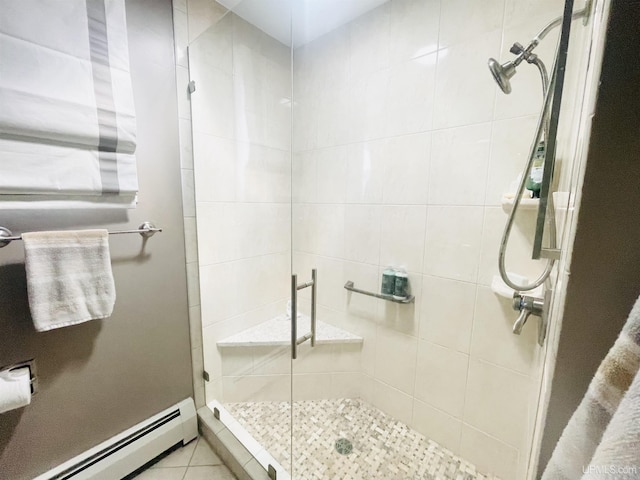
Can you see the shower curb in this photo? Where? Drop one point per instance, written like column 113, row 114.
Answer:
column 234, row 455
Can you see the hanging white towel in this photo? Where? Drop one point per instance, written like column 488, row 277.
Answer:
column 618, row 455
column 69, row 278
column 67, row 118
column 584, row 432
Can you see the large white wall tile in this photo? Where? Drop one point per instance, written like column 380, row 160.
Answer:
column 215, row 167
column 396, row 359
column 488, row 454
column 447, row 312
column 331, row 174
column 346, row 385
column 437, row 425
column 214, row 110
column 365, row 171
column 392, row 401
column 232, row 231
column 493, row 339
column 498, row 402
column 304, row 182
column 463, row 95
column 257, row 388
column 452, row 244
column 368, row 105
column 362, row 233
column 459, row 164
column 369, row 41
column 414, row 28
column 263, row 174
column 410, row 96
column 406, row 170
column 402, row 231
column 466, row 20
column 331, row 273
column 271, row 360
column 329, row 230
column 441, row 377
column 305, row 121
column 310, row 386
column 334, row 110
column 217, row 299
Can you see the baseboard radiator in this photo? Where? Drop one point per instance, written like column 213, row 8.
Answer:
column 129, row 450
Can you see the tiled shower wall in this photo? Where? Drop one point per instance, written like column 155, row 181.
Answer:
column 241, row 142
column 403, row 147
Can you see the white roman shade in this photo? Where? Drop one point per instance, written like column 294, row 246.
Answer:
column 67, row 118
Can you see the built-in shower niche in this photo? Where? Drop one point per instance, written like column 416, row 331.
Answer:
column 256, row 363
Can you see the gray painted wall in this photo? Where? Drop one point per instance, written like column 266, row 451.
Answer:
column 103, row 376
column 605, row 269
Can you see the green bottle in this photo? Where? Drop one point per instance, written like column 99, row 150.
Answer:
column 534, row 180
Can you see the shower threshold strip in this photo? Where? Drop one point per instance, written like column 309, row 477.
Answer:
column 254, row 447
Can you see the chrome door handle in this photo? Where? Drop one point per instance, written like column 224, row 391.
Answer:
column 295, row 340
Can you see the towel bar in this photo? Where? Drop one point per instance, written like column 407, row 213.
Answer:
column 147, row 229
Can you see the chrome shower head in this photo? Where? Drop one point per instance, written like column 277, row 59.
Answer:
column 502, row 73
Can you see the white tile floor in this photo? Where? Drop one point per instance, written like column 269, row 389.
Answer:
column 194, row 461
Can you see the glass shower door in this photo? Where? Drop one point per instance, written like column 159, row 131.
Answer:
column 241, row 125
column 336, row 148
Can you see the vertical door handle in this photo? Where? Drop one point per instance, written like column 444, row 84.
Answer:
column 295, row 341
column 294, row 316
column 314, row 289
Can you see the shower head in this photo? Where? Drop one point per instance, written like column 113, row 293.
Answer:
column 502, row 73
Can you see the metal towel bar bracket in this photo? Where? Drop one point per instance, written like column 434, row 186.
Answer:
column 146, row 230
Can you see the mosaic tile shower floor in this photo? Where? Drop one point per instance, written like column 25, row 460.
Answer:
column 383, row 448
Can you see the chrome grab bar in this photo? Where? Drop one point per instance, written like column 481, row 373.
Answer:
column 295, row 341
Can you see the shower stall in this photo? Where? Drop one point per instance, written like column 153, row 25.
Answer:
column 334, row 140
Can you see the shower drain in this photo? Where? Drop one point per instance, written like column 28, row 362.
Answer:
column 344, row 446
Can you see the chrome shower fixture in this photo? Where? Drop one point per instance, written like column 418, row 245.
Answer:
column 502, row 73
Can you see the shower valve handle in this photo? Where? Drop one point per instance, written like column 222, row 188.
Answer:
column 527, row 306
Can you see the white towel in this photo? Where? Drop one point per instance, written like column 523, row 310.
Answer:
column 618, row 455
column 584, row 432
column 69, row 277
column 67, row 118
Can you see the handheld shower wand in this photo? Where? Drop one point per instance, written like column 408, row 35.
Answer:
column 502, row 73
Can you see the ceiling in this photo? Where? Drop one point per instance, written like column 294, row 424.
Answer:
column 311, row 18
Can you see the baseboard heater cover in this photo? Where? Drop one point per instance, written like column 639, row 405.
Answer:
column 129, row 450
